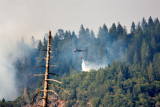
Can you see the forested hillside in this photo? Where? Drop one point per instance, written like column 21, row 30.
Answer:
column 131, row 76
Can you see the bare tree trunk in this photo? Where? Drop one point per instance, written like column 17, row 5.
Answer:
column 45, row 100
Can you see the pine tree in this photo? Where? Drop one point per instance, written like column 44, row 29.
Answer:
column 120, row 78
column 32, row 42
column 92, row 35
column 119, row 29
column 44, row 43
column 41, row 53
column 135, row 60
column 105, row 28
column 54, row 42
column 144, row 23
column 139, row 28
column 113, row 31
column 156, row 21
column 145, row 53
column 61, row 34
column 151, row 74
column 103, row 32
column 92, row 43
column 133, row 27
column 153, row 45
column 150, row 22
column 103, row 35
column 82, row 32
column 100, row 32
column 40, row 45
column 87, row 35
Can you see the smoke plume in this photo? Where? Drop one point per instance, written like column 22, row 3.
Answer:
column 7, row 70
column 10, row 51
column 87, row 66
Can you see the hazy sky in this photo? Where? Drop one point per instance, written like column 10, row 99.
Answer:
column 35, row 17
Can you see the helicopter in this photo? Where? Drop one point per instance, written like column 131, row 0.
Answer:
column 79, row 50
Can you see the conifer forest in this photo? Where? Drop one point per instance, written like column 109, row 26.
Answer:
column 124, row 67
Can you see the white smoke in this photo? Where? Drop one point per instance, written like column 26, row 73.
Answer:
column 10, row 51
column 7, row 71
column 87, row 66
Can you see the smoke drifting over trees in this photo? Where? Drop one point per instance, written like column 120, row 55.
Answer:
column 13, row 54
column 8, row 76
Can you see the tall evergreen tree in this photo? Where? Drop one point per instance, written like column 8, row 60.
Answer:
column 113, row 31
column 82, row 32
column 156, row 21
column 61, row 34
column 135, row 60
column 133, row 27
column 103, row 35
column 119, row 29
column 40, row 46
column 33, row 43
column 153, row 45
column 145, row 53
column 151, row 74
column 92, row 35
column 150, row 22
column 144, row 23
column 44, row 43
